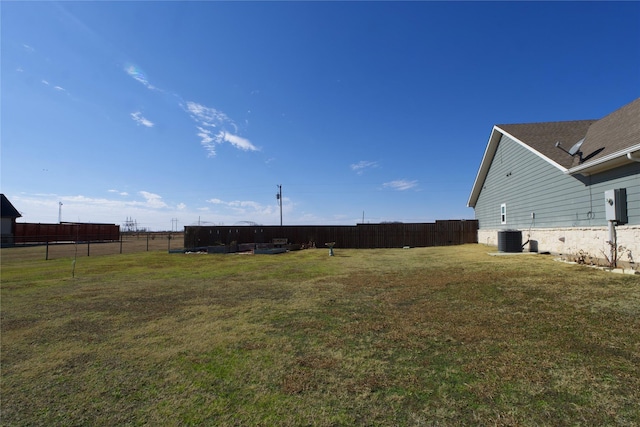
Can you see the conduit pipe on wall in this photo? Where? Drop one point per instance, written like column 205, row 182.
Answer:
column 634, row 156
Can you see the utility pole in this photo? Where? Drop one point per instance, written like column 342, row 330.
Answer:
column 279, row 197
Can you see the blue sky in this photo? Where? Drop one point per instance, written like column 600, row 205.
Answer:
column 198, row 110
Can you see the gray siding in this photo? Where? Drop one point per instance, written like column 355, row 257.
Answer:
column 528, row 184
column 6, row 226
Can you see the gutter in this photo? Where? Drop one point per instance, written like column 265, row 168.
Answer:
column 599, row 164
column 634, row 156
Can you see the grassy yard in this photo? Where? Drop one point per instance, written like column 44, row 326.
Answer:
column 425, row 336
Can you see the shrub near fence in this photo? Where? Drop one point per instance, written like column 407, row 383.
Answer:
column 360, row 236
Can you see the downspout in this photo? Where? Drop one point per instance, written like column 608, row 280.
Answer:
column 634, row 156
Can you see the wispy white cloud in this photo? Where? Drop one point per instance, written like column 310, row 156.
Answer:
column 122, row 193
column 28, row 48
column 138, row 75
column 248, row 208
column 243, row 204
column 152, row 200
column 400, row 184
column 207, row 141
column 360, row 167
column 238, row 142
column 148, row 209
column 152, row 211
column 207, row 116
column 211, row 124
column 138, row 118
column 46, row 83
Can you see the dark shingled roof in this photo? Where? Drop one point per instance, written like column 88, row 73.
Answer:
column 613, row 133
column 542, row 137
column 7, row 210
column 606, row 143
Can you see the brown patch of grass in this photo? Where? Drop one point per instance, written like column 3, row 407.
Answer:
column 433, row 336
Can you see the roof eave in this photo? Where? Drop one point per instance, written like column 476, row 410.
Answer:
column 605, row 163
column 8, row 210
column 496, row 135
column 489, row 152
column 534, row 151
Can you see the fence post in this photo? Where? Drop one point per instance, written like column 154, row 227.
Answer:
column 46, row 253
column 88, row 245
column 120, row 244
column 147, row 241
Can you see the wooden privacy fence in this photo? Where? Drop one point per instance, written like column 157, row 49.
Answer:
column 360, row 236
column 65, row 232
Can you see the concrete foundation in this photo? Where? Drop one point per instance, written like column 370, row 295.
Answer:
column 587, row 244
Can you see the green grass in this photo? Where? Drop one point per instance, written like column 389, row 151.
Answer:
column 428, row 336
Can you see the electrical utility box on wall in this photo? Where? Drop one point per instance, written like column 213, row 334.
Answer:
column 615, row 205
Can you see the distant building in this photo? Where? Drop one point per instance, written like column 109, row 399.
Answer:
column 548, row 180
column 8, row 214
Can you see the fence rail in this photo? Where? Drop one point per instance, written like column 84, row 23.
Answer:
column 360, row 236
column 127, row 244
column 66, row 232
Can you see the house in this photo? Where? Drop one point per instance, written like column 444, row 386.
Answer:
column 548, row 180
column 8, row 214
